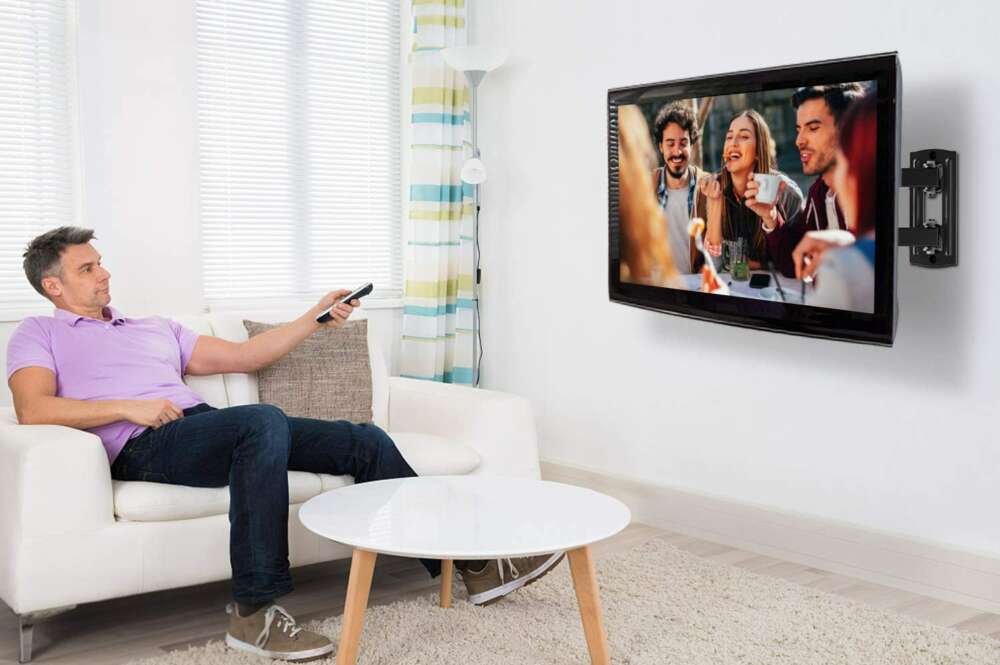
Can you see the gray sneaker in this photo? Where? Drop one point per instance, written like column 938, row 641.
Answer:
column 272, row 632
column 498, row 577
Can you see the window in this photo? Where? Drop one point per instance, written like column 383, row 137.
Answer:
column 299, row 147
column 38, row 154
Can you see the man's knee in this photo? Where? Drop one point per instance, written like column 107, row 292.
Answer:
column 265, row 423
column 262, row 415
column 377, row 441
column 375, row 435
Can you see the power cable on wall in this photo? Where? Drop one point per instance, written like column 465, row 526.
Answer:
column 476, row 313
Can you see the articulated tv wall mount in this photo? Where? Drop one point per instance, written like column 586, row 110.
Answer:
column 932, row 178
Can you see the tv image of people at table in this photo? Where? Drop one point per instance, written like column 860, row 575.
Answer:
column 768, row 195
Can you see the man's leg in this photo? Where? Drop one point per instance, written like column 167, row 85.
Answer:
column 245, row 447
column 342, row 448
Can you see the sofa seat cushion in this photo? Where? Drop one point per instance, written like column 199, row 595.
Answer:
column 137, row 501
column 431, row 455
column 334, row 482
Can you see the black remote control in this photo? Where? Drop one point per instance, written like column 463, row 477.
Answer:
column 356, row 294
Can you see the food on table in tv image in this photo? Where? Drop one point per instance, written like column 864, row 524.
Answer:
column 768, row 195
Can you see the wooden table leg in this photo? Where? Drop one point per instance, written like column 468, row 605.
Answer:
column 581, row 565
column 447, row 573
column 359, row 583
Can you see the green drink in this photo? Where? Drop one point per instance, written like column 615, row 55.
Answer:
column 740, row 270
column 739, row 263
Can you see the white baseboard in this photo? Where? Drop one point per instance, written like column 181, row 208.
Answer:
column 930, row 569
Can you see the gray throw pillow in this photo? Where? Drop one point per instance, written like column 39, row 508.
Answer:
column 328, row 376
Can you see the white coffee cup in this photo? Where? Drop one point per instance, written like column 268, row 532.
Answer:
column 767, row 187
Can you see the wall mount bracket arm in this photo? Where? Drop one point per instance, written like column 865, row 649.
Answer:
column 933, row 240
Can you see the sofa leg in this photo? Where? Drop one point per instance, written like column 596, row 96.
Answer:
column 26, row 628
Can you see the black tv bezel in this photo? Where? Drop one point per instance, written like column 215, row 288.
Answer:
column 877, row 327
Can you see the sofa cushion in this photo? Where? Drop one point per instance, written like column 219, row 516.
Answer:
column 431, row 455
column 138, row 501
column 334, row 482
column 211, row 388
column 242, row 388
column 327, row 376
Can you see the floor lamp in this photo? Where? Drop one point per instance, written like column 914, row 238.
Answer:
column 474, row 62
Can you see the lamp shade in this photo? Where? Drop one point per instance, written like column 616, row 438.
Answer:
column 473, row 171
column 474, row 58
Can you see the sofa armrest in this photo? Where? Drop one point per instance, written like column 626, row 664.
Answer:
column 499, row 426
column 54, row 480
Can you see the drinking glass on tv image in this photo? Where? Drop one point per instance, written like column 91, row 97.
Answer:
column 768, row 195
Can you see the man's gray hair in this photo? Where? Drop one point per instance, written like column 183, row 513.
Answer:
column 41, row 259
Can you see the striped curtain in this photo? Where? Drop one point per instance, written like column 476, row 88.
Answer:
column 437, row 340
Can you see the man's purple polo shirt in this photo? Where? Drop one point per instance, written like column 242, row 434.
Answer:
column 123, row 358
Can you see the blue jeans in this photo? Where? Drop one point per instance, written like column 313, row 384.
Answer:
column 251, row 448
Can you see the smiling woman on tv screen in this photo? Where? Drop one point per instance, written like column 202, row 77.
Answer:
column 748, row 152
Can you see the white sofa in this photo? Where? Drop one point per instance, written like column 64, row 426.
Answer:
column 69, row 534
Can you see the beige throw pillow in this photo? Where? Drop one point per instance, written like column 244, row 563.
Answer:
column 328, row 376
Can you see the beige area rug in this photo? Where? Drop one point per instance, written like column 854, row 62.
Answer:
column 661, row 606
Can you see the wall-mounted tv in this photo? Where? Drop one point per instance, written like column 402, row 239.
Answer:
column 764, row 198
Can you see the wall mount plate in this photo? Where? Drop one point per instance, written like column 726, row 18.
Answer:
column 932, row 236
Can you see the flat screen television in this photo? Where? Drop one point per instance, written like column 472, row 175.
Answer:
column 764, row 198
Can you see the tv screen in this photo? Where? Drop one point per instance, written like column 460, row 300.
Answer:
column 764, row 199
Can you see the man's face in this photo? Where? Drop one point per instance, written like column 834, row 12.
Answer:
column 676, row 148
column 83, row 283
column 817, row 136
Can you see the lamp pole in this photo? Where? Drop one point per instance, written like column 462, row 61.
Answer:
column 475, row 236
column 474, row 62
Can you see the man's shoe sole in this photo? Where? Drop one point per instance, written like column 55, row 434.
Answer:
column 493, row 595
column 286, row 655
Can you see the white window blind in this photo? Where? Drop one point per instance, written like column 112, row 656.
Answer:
column 38, row 165
column 299, row 156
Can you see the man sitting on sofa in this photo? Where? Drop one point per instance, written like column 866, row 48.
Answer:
column 92, row 368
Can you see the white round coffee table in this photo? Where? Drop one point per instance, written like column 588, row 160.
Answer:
column 465, row 518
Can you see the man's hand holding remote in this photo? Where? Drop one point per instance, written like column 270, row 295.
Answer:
column 341, row 310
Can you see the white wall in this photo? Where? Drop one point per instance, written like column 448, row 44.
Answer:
column 136, row 64
column 903, row 439
column 136, row 82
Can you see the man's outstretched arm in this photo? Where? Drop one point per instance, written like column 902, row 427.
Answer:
column 213, row 355
column 35, row 402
